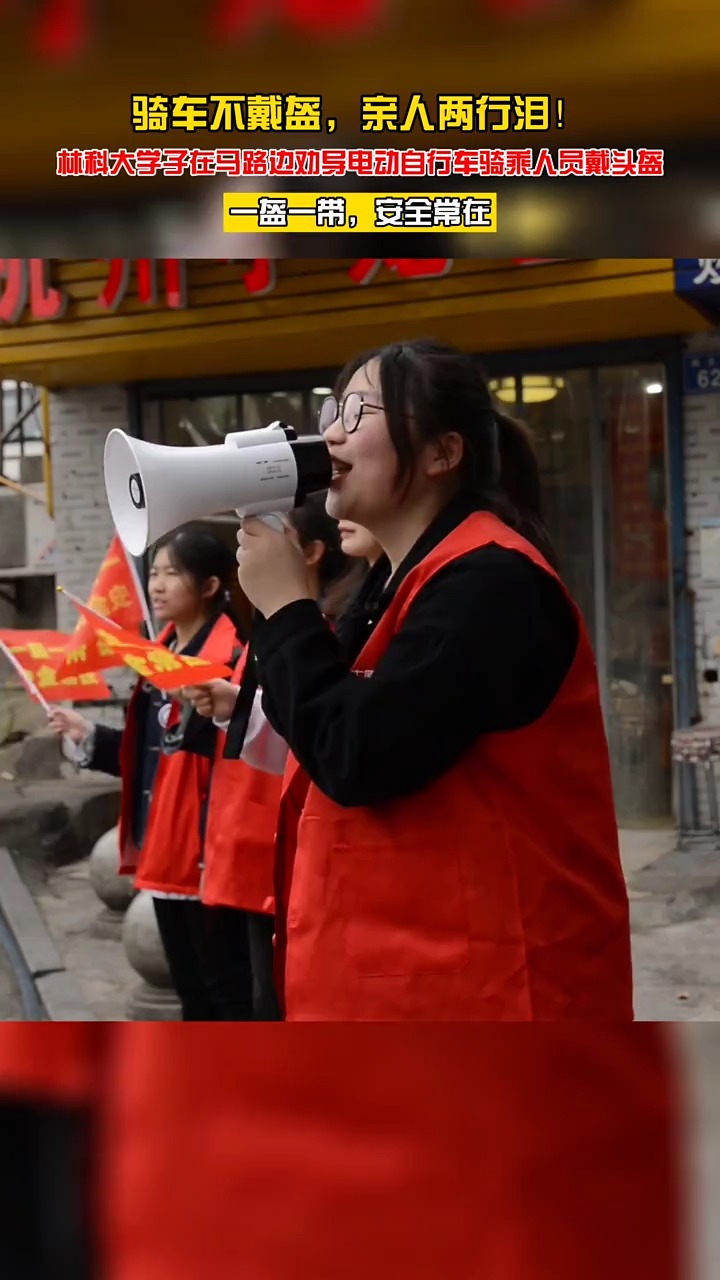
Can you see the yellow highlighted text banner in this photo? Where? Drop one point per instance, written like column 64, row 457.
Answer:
column 360, row 211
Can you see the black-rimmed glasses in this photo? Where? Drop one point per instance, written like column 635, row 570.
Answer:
column 349, row 411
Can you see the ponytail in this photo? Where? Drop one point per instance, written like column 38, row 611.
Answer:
column 518, row 498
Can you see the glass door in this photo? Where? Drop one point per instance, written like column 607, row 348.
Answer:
column 600, row 439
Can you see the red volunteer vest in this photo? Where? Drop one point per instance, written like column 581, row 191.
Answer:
column 495, row 894
column 240, row 831
column 172, row 848
column 49, row 1062
column 472, row 1152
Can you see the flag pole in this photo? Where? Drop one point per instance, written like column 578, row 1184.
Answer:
column 130, row 562
column 107, row 622
column 29, row 684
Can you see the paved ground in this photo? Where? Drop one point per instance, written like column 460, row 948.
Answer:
column 677, row 972
column 71, row 908
column 677, row 959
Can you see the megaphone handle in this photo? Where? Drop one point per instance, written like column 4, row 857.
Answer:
column 271, row 520
column 274, row 522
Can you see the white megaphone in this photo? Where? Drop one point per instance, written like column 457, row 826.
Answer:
column 153, row 488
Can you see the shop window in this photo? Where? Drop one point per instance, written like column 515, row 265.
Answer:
column 21, row 437
column 201, row 421
column 262, row 408
column 208, row 419
column 317, row 396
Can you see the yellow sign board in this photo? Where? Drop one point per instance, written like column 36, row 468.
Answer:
column 361, row 211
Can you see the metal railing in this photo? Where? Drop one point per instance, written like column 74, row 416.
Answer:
column 26, row 402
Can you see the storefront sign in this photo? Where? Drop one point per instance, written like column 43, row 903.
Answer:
column 24, row 282
column 697, row 280
column 61, row 29
column 701, row 375
column 365, row 269
column 27, row 279
column 119, row 274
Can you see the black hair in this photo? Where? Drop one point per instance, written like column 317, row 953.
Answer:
column 312, row 523
column 200, row 555
column 439, row 389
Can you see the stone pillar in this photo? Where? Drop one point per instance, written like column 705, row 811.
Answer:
column 154, row 1000
column 115, row 891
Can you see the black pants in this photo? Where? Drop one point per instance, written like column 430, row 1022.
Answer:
column 220, row 961
column 262, row 959
column 202, row 989
column 247, row 994
column 45, row 1205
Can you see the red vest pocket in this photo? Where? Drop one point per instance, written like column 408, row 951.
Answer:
column 403, row 908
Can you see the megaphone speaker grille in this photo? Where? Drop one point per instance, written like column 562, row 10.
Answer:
column 137, row 493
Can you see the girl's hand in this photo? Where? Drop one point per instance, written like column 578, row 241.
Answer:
column 215, row 700
column 272, row 569
column 70, row 723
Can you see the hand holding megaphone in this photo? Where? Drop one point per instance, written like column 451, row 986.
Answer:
column 272, row 569
column 153, row 488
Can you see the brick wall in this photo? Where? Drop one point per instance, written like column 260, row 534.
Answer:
column 80, row 420
column 12, row 529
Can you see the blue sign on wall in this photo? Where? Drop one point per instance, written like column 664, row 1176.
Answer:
column 697, row 280
column 701, row 375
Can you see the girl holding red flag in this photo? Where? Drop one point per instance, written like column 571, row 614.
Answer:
column 237, row 883
column 164, row 795
column 447, row 829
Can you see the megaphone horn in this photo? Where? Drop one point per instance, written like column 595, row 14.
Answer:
column 153, row 488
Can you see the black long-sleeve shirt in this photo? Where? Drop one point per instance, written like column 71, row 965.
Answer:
column 484, row 648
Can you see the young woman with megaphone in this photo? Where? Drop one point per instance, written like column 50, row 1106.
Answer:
column 243, row 801
column 164, row 795
column 447, row 831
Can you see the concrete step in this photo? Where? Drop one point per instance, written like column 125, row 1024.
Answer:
column 47, row 824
